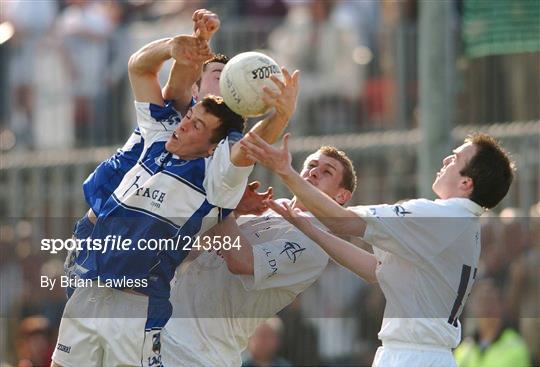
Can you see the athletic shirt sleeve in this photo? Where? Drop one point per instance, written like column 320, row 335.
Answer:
column 416, row 230
column 224, row 182
column 156, row 122
column 290, row 261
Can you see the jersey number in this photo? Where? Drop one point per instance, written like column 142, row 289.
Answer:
column 462, row 290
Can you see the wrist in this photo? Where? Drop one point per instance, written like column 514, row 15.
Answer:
column 286, row 173
column 308, row 228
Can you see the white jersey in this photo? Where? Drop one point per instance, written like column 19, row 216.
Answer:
column 215, row 311
column 428, row 254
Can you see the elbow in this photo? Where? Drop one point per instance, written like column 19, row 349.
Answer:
column 134, row 64
column 233, row 267
column 239, row 268
column 371, row 276
column 372, row 280
column 368, row 278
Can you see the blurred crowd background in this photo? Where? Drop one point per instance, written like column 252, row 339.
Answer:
column 65, row 105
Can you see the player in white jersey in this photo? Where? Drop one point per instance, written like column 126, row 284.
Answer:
column 426, row 252
column 178, row 181
column 219, row 300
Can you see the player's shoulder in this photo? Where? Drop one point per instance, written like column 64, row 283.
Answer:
column 459, row 207
column 419, row 208
column 160, row 113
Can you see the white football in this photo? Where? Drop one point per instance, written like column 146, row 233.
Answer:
column 242, row 80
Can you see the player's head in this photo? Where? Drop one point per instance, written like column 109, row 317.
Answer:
column 202, row 128
column 479, row 169
column 264, row 343
column 209, row 81
column 332, row 172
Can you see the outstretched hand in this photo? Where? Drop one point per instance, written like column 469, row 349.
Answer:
column 283, row 101
column 275, row 159
column 253, row 202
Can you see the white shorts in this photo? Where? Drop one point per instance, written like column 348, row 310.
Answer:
column 106, row 327
column 413, row 355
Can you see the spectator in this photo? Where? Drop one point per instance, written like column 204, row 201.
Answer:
column 327, row 304
column 311, row 40
column 514, row 234
column 84, row 28
column 10, row 288
column 492, row 263
column 263, row 345
column 370, row 309
column 34, row 345
column 264, row 8
column 29, row 32
column 493, row 344
column 524, row 288
column 299, row 338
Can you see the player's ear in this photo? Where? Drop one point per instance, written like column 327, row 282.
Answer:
column 211, row 149
column 343, row 196
column 466, row 184
column 195, row 91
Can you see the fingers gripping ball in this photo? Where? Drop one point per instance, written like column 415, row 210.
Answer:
column 242, row 81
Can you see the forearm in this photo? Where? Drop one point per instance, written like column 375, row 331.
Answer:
column 179, row 85
column 269, row 129
column 239, row 260
column 357, row 260
column 182, row 78
column 337, row 218
column 143, row 68
column 150, row 58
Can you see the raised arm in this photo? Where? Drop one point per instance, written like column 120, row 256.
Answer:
column 144, row 65
column 357, row 260
column 272, row 127
column 205, row 24
column 338, row 219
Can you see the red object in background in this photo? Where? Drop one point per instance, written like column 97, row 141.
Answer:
column 378, row 98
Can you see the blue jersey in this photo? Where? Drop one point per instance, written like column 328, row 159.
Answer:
column 101, row 183
column 161, row 197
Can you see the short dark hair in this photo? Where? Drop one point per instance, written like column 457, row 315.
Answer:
column 219, row 58
column 491, row 170
column 348, row 181
column 230, row 121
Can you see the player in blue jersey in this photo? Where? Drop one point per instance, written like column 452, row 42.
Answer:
column 176, row 190
column 101, row 183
